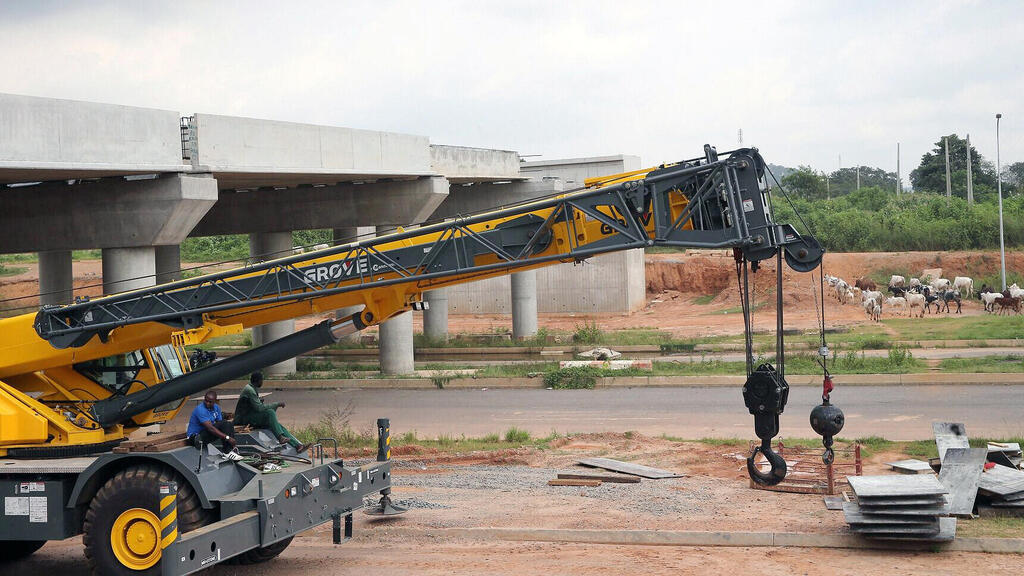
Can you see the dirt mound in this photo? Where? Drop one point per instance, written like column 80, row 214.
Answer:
column 692, row 272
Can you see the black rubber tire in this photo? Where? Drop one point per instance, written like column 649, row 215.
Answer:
column 11, row 550
column 134, row 487
column 257, row 555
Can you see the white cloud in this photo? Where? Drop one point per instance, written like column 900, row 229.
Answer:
column 805, row 81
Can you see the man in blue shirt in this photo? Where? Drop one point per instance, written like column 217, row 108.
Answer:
column 207, row 422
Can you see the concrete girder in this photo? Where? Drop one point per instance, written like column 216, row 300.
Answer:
column 486, row 196
column 114, row 213
column 395, row 203
column 462, row 164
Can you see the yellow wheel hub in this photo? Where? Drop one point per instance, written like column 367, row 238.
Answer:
column 135, row 538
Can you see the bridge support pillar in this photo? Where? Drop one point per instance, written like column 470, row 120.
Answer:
column 56, row 283
column 524, row 304
column 270, row 246
column 168, row 263
column 347, row 236
column 435, row 317
column 128, row 268
column 395, row 337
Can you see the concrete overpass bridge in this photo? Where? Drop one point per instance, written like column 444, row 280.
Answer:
column 135, row 182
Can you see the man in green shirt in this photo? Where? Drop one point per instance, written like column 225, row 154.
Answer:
column 251, row 411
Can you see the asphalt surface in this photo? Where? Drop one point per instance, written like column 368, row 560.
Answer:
column 894, row 412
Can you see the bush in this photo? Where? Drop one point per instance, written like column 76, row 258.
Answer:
column 575, row 378
column 516, row 436
column 589, row 333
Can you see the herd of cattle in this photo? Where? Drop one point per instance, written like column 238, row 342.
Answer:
column 918, row 295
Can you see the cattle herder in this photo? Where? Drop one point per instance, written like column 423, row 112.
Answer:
column 251, row 411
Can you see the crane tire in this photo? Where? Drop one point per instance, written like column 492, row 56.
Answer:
column 129, row 501
column 258, row 555
column 11, row 550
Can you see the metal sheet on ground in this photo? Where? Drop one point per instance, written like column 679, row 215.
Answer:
column 1001, row 481
column 949, row 435
column 893, row 529
column 629, row 468
column 961, row 471
column 911, row 466
column 895, row 486
column 855, row 515
column 900, row 502
column 947, row 531
column 833, row 502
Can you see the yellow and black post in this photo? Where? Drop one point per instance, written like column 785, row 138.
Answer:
column 385, row 507
column 168, row 514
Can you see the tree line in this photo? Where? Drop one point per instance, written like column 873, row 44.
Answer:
column 872, row 218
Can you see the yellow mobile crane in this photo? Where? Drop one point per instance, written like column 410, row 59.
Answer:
column 75, row 380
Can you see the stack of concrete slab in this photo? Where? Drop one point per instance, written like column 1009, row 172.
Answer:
column 904, row 507
column 1005, row 453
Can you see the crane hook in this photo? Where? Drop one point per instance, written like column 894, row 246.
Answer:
column 765, row 394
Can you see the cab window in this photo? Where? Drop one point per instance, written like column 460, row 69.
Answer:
column 115, row 373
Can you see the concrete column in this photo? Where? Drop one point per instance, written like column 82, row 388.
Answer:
column 273, row 245
column 435, row 317
column 346, row 236
column 524, row 304
column 168, row 263
column 396, row 348
column 128, row 269
column 56, row 283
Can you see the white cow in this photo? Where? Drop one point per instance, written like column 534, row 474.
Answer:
column 915, row 301
column 914, row 282
column 1015, row 291
column 871, row 295
column 872, row 309
column 965, row 285
column 989, row 298
column 897, row 281
column 841, row 289
column 940, row 284
column 896, row 302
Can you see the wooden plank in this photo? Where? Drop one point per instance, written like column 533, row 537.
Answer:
column 587, row 483
column 949, row 435
column 961, row 471
column 168, row 445
column 601, row 478
column 896, row 486
column 911, row 466
column 629, row 468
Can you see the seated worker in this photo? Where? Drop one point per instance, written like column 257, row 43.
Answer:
column 208, row 423
column 251, row 411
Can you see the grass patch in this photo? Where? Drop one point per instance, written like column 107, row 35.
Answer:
column 516, row 435
column 575, row 378
column 1009, row 363
column 991, row 528
column 988, row 326
column 11, row 270
column 704, row 300
column 334, row 423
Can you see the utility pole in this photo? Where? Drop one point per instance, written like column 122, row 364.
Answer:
column 898, row 183
column 858, row 176
column 739, row 137
column 970, row 178
column 949, row 186
column 999, row 190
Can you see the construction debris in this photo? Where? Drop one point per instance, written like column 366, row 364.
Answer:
column 960, row 474
column 629, row 468
column 911, row 466
column 600, row 354
column 900, row 507
column 1005, row 453
column 949, row 435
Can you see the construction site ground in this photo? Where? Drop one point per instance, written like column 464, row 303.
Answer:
column 508, row 489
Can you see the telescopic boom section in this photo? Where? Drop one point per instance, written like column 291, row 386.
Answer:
column 716, row 201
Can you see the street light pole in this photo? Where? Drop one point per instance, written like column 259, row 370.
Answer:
column 999, row 191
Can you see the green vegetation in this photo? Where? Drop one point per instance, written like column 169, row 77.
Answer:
column 588, row 333
column 990, row 364
column 516, row 436
column 988, row 326
column 575, row 378
column 703, row 300
column 11, row 270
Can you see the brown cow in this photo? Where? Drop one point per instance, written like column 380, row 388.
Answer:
column 1006, row 303
column 865, row 284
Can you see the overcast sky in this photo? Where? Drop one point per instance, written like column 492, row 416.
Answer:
column 806, row 81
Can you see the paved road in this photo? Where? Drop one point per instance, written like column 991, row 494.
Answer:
column 895, row 412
